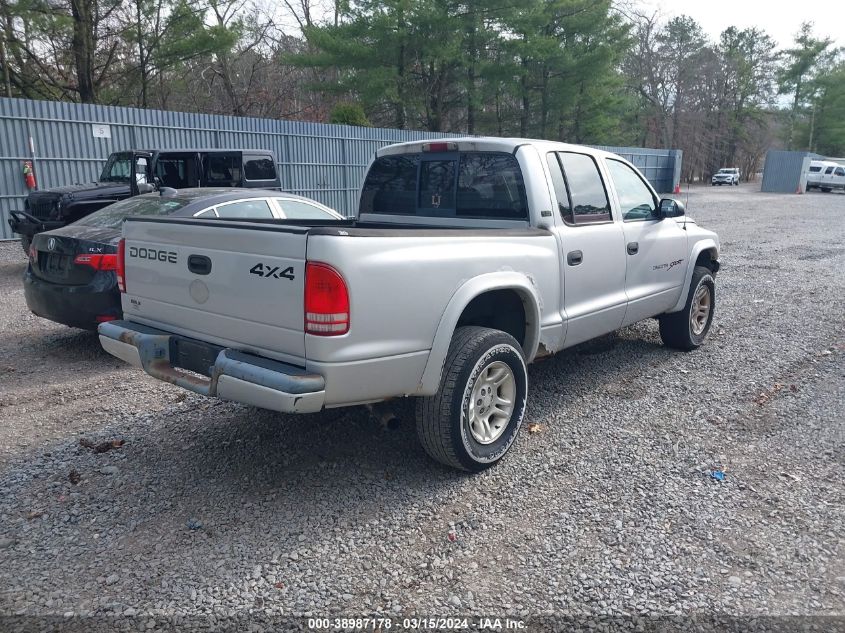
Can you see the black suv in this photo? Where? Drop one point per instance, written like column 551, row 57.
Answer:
column 130, row 173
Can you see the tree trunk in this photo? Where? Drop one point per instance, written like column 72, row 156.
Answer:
column 526, row 105
column 83, row 49
column 471, row 89
column 142, row 60
column 544, row 102
column 793, row 113
column 7, row 83
column 400, row 76
column 499, row 116
column 400, row 89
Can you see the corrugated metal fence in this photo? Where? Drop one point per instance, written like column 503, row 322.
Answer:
column 69, row 143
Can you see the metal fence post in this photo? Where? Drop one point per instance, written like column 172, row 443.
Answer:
column 679, row 161
column 347, row 194
column 285, row 160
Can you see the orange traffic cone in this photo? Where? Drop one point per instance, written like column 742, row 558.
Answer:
column 677, row 188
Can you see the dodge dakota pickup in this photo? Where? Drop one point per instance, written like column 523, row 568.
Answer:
column 467, row 260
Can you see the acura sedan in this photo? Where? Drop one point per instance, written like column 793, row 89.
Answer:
column 71, row 277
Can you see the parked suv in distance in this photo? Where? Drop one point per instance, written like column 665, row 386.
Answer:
column 725, row 176
column 133, row 172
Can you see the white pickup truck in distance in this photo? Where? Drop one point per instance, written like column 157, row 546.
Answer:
column 468, row 259
column 833, row 177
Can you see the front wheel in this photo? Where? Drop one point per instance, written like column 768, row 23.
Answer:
column 687, row 329
column 474, row 418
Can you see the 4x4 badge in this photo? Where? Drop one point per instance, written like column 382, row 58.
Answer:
column 266, row 270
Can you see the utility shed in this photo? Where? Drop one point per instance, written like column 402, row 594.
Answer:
column 786, row 172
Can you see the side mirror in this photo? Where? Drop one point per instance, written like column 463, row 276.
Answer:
column 671, row 208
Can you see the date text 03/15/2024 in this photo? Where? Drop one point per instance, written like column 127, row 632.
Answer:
column 416, row 623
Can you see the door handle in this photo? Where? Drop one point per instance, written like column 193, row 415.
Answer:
column 573, row 258
column 633, row 248
column 199, row 264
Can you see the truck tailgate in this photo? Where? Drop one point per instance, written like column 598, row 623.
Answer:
column 238, row 284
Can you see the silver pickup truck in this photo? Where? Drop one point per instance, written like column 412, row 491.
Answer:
column 468, row 259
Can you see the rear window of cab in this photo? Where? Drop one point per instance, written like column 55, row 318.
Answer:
column 450, row 184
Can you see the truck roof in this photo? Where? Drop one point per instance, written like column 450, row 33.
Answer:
column 489, row 144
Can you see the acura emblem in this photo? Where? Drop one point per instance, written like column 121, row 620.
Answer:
column 51, row 244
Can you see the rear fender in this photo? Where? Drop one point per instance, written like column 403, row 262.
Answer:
column 502, row 280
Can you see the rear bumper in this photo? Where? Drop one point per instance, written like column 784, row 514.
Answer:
column 76, row 306
column 227, row 373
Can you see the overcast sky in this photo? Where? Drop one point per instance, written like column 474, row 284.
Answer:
column 779, row 18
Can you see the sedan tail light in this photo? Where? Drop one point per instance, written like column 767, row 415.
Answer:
column 97, row 262
column 121, row 265
column 326, row 301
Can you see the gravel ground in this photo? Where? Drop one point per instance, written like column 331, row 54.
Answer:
column 605, row 505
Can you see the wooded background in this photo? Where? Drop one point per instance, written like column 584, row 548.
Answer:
column 581, row 71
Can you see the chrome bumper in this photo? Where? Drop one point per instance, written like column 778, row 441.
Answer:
column 229, row 374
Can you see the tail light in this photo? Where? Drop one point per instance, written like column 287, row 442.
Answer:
column 440, row 147
column 326, row 301
column 97, row 262
column 121, row 265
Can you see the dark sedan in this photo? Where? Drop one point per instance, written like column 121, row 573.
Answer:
column 71, row 277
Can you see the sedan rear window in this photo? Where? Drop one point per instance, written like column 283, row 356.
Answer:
column 462, row 185
column 112, row 216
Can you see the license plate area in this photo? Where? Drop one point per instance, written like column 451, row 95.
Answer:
column 55, row 264
column 193, row 355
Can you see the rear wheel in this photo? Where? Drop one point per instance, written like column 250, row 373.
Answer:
column 26, row 242
column 687, row 329
column 473, row 419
